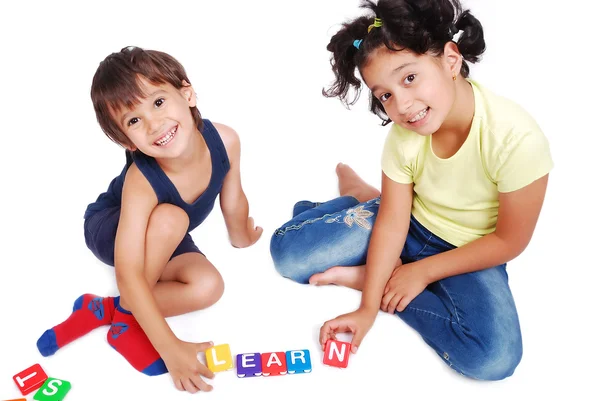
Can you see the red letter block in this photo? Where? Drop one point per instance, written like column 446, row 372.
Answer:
column 30, row 379
column 342, row 353
column 273, row 364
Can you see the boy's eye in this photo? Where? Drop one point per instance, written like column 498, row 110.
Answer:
column 158, row 102
column 409, row 79
column 132, row 121
column 384, row 97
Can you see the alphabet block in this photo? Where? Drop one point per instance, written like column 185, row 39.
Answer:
column 342, row 353
column 30, row 379
column 53, row 390
column 273, row 364
column 249, row 365
column 298, row 361
column 18, row 399
column 218, row 358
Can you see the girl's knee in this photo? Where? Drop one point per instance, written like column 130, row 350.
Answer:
column 168, row 221
column 286, row 264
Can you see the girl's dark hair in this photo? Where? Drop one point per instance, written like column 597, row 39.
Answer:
column 421, row 26
column 116, row 84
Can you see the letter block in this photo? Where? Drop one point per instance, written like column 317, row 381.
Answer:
column 53, row 390
column 273, row 364
column 342, row 353
column 298, row 361
column 30, row 379
column 218, row 358
column 18, row 399
column 249, row 365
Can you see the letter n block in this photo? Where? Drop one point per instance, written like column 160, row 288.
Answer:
column 30, row 379
column 298, row 361
column 273, row 364
column 53, row 390
column 337, row 353
column 218, row 358
column 249, row 365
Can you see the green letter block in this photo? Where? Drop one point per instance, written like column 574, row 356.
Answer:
column 53, row 390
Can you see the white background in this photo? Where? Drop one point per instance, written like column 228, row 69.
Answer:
column 259, row 66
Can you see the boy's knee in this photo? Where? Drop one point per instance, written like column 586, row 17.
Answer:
column 208, row 289
column 168, row 221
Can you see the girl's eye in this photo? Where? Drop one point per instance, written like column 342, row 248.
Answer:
column 384, row 97
column 132, row 121
column 409, row 79
column 158, row 102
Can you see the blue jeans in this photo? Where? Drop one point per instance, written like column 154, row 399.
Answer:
column 470, row 320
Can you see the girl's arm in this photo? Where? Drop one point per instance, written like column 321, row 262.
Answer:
column 389, row 234
column 234, row 203
column 517, row 216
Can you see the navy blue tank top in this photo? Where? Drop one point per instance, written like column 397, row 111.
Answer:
column 165, row 189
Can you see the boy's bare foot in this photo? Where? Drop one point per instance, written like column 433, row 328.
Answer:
column 350, row 184
column 347, row 276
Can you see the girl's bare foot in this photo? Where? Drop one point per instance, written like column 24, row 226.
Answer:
column 347, row 276
column 350, row 184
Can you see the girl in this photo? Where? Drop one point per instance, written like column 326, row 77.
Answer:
column 461, row 192
column 177, row 164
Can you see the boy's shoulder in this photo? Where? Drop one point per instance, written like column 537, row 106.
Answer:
column 230, row 138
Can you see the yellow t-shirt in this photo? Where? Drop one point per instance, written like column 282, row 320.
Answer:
column 457, row 198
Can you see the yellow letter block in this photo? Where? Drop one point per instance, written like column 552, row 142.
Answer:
column 218, row 358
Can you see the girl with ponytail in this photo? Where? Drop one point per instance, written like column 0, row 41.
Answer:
column 460, row 194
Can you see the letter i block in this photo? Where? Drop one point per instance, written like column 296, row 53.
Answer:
column 249, row 365
column 273, row 364
column 218, row 358
column 30, row 379
column 298, row 361
column 337, row 353
column 53, row 390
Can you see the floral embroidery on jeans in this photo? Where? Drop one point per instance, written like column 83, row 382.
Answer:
column 359, row 216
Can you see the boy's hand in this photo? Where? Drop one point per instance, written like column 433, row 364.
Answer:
column 182, row 362
column 406, row 283
column 249, row 237
column 358, row 322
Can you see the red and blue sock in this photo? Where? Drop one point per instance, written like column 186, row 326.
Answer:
column 89, row 312
column 127, row 337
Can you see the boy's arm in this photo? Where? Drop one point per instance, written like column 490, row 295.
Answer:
column 234, row 203
column 138, row 202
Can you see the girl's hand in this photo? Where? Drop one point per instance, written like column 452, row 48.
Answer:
column 406, row 283
column 182, row 362
column 358, row 322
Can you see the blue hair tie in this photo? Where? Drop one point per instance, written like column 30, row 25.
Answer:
column 357, row 43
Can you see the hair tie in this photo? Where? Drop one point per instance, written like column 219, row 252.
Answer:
column 357, row 43
column 377, row 23
column 453, row 30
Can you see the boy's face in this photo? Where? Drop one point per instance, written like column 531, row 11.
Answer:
column 162, row 124
column 416, row 91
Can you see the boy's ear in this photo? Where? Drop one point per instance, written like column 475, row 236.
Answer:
column 187, row 91
column 453, row 58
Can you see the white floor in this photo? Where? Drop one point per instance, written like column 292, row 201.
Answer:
column 259, row 67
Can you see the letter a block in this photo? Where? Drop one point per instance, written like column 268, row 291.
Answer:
column 30, row 379
column 53, row 390
column 249, row 365
column 218, row 358
column 337, row 353
column 273, row 364
column 298, row 361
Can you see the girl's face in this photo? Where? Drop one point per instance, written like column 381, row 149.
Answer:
column 416, row 91
column 161, row 125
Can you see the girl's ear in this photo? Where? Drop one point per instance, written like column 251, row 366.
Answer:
column 453, row 58
column 188, row 93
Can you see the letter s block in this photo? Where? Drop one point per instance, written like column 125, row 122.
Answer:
column 53, row 390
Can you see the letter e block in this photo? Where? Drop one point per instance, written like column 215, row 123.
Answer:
column 337, row 353
column 30, row 379
column 218, row 358
column 273, row 364
column 249, row 365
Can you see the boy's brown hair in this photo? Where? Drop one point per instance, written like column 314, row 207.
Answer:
column 116, row 84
